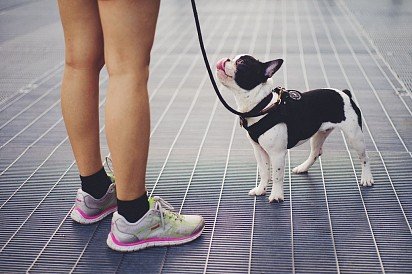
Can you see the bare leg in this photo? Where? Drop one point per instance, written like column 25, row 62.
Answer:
column 128, row 27
column 80, row 88
column 263, row 162
column 316, row 143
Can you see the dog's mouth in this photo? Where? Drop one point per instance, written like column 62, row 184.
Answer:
column 220, row 66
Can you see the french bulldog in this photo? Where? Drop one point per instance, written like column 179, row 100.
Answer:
column 293, row 119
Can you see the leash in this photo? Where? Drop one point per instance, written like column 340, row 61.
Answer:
column 212, row 79
column 202, row 48
column 262, row 108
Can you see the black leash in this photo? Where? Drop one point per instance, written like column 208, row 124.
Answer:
column 262, row 108
column 202, row 48
column 212, row 79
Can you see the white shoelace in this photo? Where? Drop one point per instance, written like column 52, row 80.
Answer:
column 162, row 206
column 109, row 164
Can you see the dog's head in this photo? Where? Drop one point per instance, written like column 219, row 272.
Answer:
column 244, row 73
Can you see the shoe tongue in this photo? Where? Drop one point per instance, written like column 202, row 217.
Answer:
column 111, row 176
column 151, row 202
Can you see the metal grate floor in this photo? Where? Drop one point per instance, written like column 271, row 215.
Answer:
column 200, row 160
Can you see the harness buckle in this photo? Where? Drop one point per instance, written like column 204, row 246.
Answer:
column 279, row 90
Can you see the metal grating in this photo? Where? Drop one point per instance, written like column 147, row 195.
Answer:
column 388, row 27
column 200, row 160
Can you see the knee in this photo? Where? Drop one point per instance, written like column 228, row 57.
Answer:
column 123, row 65
column 137, row 74
column 84, row 57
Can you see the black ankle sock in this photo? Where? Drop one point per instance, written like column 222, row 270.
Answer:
column 96, row 184
column 133, row 210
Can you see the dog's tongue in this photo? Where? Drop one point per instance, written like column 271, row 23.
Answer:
column 221, row 64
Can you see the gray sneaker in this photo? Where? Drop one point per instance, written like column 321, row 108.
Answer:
column 88, row 210
column 160, row 226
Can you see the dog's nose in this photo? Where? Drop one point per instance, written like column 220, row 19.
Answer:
column 227, row 60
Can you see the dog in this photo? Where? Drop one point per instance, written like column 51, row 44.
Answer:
column 292, row 119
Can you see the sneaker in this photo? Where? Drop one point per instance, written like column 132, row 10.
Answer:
column 160, row 226
column 89, row 210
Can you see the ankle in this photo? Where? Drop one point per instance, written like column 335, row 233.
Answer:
column 133, row 210
column 96, row 184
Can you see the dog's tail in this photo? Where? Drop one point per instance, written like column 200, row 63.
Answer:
column 347, row 92
column 354, row 106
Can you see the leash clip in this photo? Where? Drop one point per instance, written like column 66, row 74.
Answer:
column 242, row 122
column 281, row 91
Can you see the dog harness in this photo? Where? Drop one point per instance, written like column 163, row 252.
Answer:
column 303, row 113
column 276, row 113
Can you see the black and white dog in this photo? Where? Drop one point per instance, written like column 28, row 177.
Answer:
column 295, row 118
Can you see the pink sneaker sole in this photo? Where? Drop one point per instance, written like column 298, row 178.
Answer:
column 80, row 217
column 115, row 244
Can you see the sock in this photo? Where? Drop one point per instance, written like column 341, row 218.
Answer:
column 133, row 210
column 96, row 184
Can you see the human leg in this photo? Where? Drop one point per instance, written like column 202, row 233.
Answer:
column 84, row 59
column 128, row 27
column 80, row 87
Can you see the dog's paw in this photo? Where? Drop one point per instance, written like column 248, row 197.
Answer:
column 303, row 168
column 257, row 191
column 276, row 197
column 366, row 179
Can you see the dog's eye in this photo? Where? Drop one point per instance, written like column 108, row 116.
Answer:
column 240, row 62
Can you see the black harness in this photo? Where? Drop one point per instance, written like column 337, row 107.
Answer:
column 277, row 113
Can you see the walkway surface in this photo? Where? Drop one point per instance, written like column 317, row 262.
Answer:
column 200, row 160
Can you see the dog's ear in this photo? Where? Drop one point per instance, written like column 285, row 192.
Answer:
column 271, row 67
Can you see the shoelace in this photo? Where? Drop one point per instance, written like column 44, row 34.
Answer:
column 162, row 206
column 109, row 164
